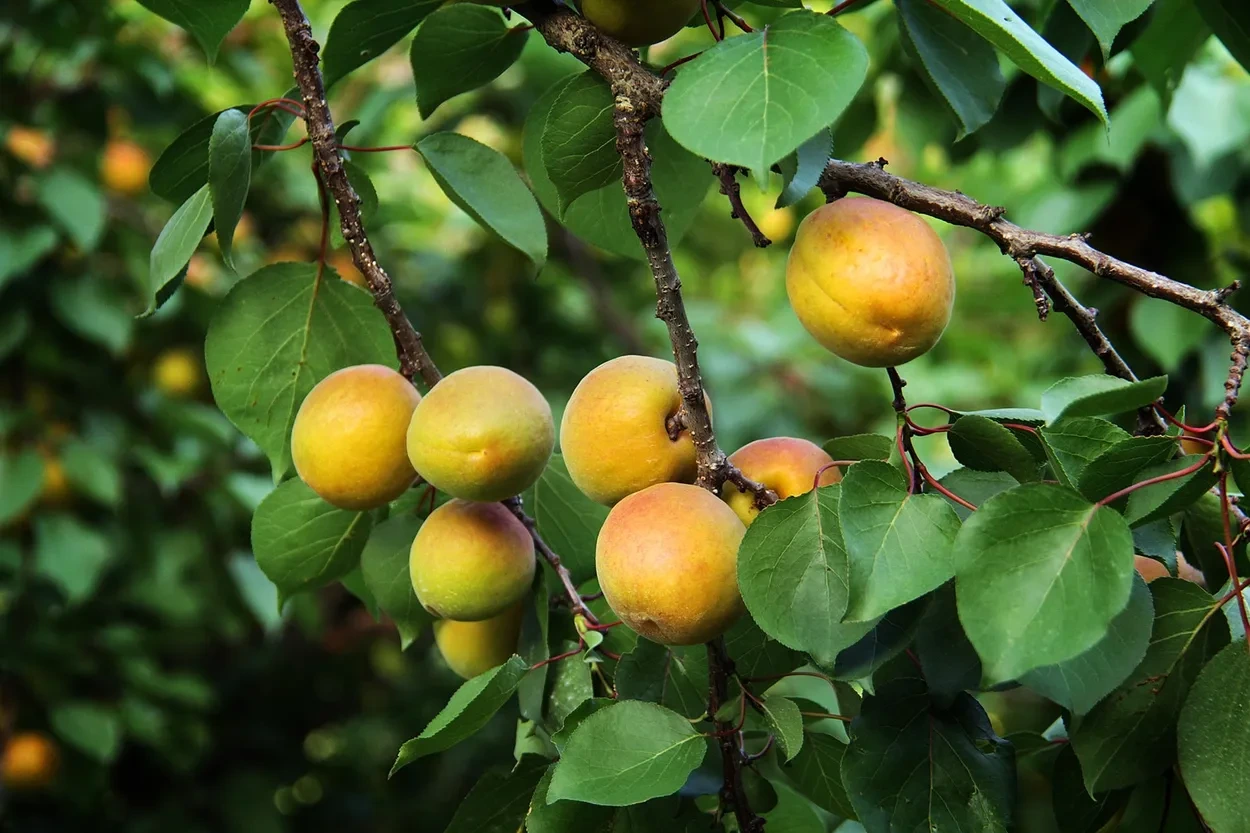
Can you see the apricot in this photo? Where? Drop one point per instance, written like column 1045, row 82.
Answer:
column 667, row 561
column 1192, row 445
column 1150, row 569
column 483, row 433
column 178, row 372
column 124, row 167
column 34, row 147
column 469, row 648
column 29, row 762
column 615, row 435
column 471, row 561
column 640, row 22
column 787, row 465
column 870, row 281
column 347, row 442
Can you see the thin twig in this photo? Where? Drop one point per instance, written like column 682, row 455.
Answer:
column 728, row 176
column 1024, row 246
column 733, row 794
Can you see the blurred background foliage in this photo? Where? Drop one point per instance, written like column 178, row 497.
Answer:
column 138, row 639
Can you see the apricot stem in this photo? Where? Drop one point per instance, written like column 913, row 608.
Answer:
column 1150, row 481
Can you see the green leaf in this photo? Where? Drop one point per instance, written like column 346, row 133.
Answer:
column 948, row 660
column 995, row 21
column 784, row 721
column 459, row 48
column 468, row 710
column 95, row 309
column 982, row 444
column 571, row 684
column 1106, row 18
column 20, row 250
column 860, row 447
column 1131, row 735
column 302, row 542
column 1065, row 31
column 229, row 176
column 898, row 544
column 579, row 139
column 91, row 728
column 1122, row 464
column 817, row 772
column 75, row 204
column 1073, row 443
column 485, row 185
column 801, row 170
column 876, row 643
column 754, row 654
column 1162, row 500
column 625, row 754
column 93, row 472
column 208, row 23
column 21, row 481
column 955, row 60
column 176, row 243
column 274, row 336
column 1098, row 395
column 793, row 572
column 70, row 555
column 1077, row 810
column 568, row 520
column 1230, row 21
column 500, row 800
column 1066, row 565
column 976, row 487
column 674, row 677
column 14, row 327
column 1175, row 33
column 1080, row 683
column 911, row 768
column 585, row 710
column 384, row 564
column 534, row 647
column 364, row 29
column 182, row 168
column 789, row 80
column 1213, row 736
column 601, row 217
column 564, row 816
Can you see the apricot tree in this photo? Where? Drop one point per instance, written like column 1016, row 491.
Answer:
column 900, row 594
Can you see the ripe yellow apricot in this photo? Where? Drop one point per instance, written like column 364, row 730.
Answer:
column 32, row 146
column 1191, row 445
column 667, row 561
column 30, row 761
column 471, row 561
column 787, row 465
column 1150, row 569
column 124, row 167
column 347, row 442
column 483, row 433
column 640, row 22
column 469, row 648
column 870, row 281
column 614, row 434
column 178, row 372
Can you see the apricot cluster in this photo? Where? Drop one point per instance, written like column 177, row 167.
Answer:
column 667, row 554
column 480, row 435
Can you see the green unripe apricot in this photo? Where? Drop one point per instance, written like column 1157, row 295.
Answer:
column 640, row 22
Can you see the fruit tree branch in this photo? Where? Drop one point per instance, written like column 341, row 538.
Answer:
column 728, row 176
column 414, row 360
column 619, row 66
column 1025, row 246
column 733, row 793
